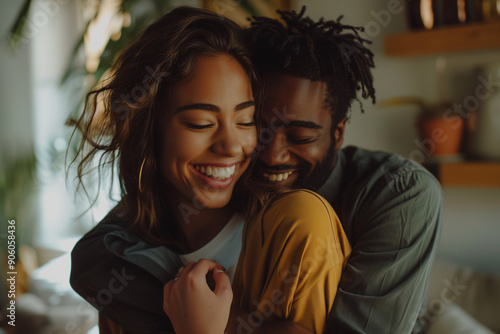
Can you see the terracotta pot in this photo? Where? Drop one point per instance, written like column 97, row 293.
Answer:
column 441, row 136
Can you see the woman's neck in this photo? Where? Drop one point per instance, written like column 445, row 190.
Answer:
column 199, row 226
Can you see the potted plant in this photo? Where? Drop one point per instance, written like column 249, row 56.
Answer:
column 440, row 128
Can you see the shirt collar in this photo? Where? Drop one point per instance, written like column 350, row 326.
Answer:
column 331, row 188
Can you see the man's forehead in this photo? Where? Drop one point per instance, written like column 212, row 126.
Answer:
column 279, row 81
column 292, row 98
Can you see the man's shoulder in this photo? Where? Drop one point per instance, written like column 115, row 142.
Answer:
column 384, row 191
column 372, row 159
column 375, row 179
column 116, row 219
column 369, row 167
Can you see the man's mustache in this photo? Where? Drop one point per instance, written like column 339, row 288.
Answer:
column 278, row 168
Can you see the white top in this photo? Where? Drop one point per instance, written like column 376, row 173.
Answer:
column 224, row 249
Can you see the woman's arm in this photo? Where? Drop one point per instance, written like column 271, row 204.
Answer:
column 238, row 317
column 292, row 259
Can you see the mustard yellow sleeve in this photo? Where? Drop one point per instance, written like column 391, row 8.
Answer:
column 295, row 253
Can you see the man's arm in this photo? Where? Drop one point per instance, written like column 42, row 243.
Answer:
column 121, row 291
column 130, row 296
column 385, row 281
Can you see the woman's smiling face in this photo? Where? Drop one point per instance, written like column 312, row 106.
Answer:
column 209, row 133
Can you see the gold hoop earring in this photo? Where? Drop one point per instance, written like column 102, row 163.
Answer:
column 140, row 175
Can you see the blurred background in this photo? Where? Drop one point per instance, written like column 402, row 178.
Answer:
column 438, row 102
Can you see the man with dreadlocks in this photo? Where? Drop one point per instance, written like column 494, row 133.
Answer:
column 390, row 207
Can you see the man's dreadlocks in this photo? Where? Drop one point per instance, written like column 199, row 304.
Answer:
column 316, row 51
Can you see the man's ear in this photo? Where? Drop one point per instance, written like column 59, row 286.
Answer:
column 339, row 134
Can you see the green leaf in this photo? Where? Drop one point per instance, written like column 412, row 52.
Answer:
column 16, row 32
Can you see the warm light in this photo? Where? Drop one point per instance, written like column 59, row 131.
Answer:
column 108, row 24
column 426, row 13
column 462, row 14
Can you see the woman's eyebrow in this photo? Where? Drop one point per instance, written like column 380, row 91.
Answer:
column 212, row 107
column 244, row 105
column 198, row 106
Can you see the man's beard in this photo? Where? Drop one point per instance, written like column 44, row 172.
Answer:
column 309, row 177
column 316, row 177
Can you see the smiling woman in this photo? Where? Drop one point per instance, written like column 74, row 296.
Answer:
column 183, row 148
column 180, row 146
column 209, row 131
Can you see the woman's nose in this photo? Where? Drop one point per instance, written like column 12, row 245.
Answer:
column 227, row 142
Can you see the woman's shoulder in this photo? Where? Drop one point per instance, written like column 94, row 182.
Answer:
column 300, row 209
column 298, row 199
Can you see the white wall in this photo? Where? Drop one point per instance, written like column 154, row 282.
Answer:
column 16, row 121
column 471, row 225
column 16, row 106
column 34, row 108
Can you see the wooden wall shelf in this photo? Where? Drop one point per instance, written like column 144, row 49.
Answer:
column 467, row 174
column 478, row 36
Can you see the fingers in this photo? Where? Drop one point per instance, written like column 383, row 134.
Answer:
column 222, row 282
column 203, row 266
column 179, row 271
column 195, row 270
column 167, row 288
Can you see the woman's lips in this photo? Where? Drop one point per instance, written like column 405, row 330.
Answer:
column 216, row 172
column 216, row 177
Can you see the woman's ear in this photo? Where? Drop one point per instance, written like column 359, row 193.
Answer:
column 339, row 133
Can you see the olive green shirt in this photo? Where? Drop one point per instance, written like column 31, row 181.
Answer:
column 390, row 209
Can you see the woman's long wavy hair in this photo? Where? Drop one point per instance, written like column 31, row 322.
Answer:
column 120, row 124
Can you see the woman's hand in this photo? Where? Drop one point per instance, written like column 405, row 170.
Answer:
column 190, row 303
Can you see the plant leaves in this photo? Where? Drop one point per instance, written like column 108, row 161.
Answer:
column 16, row 32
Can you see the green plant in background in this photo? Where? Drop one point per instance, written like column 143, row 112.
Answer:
column 17, row 181
column 142, row 13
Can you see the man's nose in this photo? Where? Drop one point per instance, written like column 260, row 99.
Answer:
column 275, row 152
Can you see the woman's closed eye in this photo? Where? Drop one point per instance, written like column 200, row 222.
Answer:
column 199, row 126
column 247, row 124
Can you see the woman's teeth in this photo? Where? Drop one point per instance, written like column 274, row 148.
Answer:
column 277, row 177
column 220, row 173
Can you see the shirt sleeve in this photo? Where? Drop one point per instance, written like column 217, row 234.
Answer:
column 120, row 289
column 385, row 281
column 306, row 255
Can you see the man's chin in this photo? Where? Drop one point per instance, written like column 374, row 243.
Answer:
column 313, row 181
